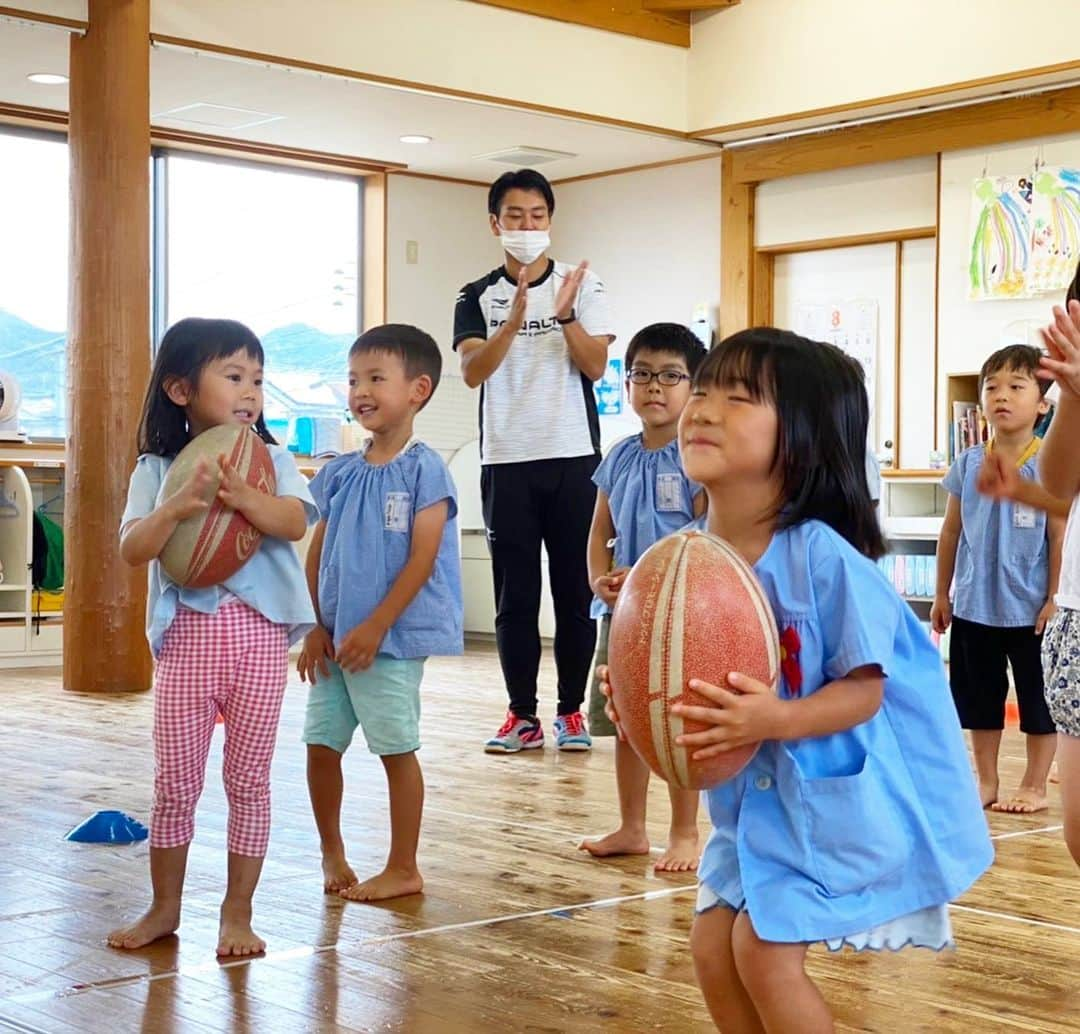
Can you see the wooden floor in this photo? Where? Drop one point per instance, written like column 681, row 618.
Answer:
column 517, row 930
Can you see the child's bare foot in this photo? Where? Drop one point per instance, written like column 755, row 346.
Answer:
column 156, row 922
column 337, row 873
column 235, row 936
column 988, row 794
column 622, row 841
column 682, row 854
column 1055, row 775
column 390, row 883
column 1024, row 800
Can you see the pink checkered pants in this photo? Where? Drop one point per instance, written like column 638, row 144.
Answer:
column 235, row 661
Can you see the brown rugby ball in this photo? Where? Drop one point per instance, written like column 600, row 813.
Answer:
column 210, row 547
column 690, row 608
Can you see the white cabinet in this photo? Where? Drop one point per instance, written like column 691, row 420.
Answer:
column 479, row 592
column 25, row 641
column 912, row 513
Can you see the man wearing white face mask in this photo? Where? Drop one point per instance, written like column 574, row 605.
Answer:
column 533, row 335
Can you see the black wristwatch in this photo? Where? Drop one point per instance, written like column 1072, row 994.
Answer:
column 572, row 318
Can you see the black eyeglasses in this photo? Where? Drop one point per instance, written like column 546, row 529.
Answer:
column 668, row 378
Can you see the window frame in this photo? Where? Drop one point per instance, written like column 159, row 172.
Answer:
column 160, row 156
column 55, row 136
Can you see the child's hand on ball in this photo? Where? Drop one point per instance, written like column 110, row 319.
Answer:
column 747, row 713
column 193, row 495
column 609, row 707
column 234, row 491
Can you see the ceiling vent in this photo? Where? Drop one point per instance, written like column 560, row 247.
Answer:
column 217, row 116
column 525, row 157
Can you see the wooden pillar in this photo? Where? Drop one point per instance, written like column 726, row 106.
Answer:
column 373, row 274
column 736, row 249
column 108, row 344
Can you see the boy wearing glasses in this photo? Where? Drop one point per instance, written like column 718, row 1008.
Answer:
column 643, row 495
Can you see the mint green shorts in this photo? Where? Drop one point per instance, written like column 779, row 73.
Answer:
column 384, row 700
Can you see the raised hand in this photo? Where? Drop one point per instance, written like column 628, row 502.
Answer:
column 519, row 304
column 1062, row 338
column 564, row 300
column 998, row 477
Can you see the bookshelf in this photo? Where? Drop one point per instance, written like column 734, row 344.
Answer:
column 961, row 387
column 912, row 511
column 962, row 393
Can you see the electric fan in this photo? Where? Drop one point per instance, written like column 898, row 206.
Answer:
column 10, row 397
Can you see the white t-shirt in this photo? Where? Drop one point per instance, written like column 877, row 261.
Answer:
column 1068, row 594
column 537, row 405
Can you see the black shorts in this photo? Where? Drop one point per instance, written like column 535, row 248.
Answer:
column 980, row 681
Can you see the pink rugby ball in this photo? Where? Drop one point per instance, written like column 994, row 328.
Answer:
column 691, row 608
column 212, row 546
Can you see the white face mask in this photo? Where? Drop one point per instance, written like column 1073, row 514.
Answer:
column 525, row 245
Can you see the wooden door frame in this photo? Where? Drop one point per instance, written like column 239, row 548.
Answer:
column 746, row 271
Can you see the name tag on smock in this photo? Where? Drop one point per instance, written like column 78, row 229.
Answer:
column 1023, row 516
column 397, row 511
column 669, row 494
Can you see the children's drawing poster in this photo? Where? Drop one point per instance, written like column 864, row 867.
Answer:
column 851, row 326
column 609, row 397
column 1001, row 237
column 1055, row 229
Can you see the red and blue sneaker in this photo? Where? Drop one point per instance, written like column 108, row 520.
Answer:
column 570, row 732
column 516, row 734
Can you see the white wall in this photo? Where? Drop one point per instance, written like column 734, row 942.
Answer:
column 653, row 237
column 451, row 43
column 448, row 222
column 867, row 199
column 895, row 196
column 848, row 274
column 969, row 331
column 59, row 8
column 772, row 57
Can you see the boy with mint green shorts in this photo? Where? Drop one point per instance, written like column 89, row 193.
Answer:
column 385, row 576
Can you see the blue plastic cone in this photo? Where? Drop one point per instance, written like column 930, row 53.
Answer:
column 108, row 827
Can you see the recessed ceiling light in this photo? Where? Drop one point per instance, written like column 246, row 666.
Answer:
column 415, row 138
column 47, row 78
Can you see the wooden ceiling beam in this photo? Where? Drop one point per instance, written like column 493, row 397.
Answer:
column 628, row 17
column 688, row 5
column 984, row 124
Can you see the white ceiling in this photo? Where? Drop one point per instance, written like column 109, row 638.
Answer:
column 341, row 116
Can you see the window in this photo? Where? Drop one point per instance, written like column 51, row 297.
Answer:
column 34, row 276
column 279, row 251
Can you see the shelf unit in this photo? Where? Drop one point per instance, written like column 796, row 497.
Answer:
column 959, row 387
column 26, row 641
column 912, row 513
